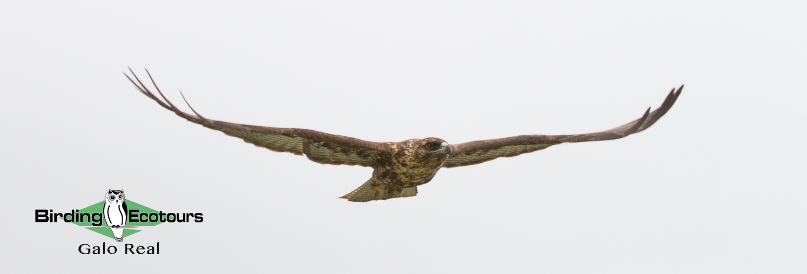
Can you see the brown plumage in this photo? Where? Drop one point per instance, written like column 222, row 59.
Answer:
column 398, row 167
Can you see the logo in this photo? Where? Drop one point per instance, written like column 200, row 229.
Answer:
column 116, row 217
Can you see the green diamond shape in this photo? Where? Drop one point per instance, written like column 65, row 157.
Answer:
column 106, row 231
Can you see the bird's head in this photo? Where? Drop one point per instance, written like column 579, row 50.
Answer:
column 432, row 148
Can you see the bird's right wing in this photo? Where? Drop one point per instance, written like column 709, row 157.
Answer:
column 318, row 146
column 476, row 152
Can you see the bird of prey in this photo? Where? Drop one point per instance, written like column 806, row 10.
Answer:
column 398, row 167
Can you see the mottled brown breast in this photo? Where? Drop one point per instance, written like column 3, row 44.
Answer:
column 410, row 163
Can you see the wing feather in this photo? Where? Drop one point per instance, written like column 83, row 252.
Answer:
column 476, row 152
column 318, row 146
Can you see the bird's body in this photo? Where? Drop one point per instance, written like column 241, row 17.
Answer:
column 399, row 167
column 411, row 163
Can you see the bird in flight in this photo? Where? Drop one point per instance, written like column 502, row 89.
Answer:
column 398, row 167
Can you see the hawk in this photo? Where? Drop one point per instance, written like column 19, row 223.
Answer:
column 398, row 167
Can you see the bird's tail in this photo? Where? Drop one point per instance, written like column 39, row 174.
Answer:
column 374, row 190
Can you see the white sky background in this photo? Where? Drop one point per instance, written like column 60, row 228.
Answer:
column 716, row 186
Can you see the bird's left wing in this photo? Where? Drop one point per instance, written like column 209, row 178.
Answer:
column 476, row 152
column 318, row 146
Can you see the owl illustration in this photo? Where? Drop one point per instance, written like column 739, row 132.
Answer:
column 115, row 212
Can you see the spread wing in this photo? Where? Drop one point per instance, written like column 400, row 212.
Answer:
column 476, row 152
column 318, row 146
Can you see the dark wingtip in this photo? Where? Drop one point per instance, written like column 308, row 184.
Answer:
column 665, row 106
column 646, row 113
column 673, row 97
column 159, row 91
column 639, row 123
column 189, row 105
column 143, row 89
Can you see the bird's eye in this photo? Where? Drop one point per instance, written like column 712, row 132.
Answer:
column 112, row 197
